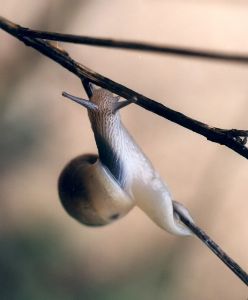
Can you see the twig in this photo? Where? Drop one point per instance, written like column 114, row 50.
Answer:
column 234, row 139
column 230, row 138
column 140, row 46
column 216, row 249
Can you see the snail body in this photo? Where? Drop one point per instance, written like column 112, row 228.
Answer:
column 96, row 190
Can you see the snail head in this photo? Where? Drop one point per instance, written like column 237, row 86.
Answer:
column 101, row 101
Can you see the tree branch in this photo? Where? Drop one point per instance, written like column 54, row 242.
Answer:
column 140, row 46
column 234, row 139
column 215, row 248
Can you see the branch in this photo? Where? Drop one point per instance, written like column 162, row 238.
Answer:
column 234, row 139
column 216, row 249
column 147, row 47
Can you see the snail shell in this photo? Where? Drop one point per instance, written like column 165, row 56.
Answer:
column 90, row 194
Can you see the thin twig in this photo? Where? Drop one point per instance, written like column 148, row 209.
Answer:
column 216, row 249
column 233, row 138
column 140, row 46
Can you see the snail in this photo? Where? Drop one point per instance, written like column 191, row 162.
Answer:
column 99, row 189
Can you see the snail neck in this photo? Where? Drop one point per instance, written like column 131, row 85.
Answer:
column 114, row 144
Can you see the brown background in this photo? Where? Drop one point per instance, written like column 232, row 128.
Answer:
column 44, row 253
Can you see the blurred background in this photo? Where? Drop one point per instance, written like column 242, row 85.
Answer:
column 45, row 254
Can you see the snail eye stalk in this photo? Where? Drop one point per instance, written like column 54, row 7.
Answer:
column 85, row 103
column 121, row 104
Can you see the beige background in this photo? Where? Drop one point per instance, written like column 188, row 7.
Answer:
column 41, row 131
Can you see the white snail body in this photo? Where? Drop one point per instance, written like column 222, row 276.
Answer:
column 97, row 190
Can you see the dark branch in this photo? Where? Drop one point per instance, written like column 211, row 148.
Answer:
column 234, row 139
column 140, row 46
column 228, row 138
column 215, row 249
